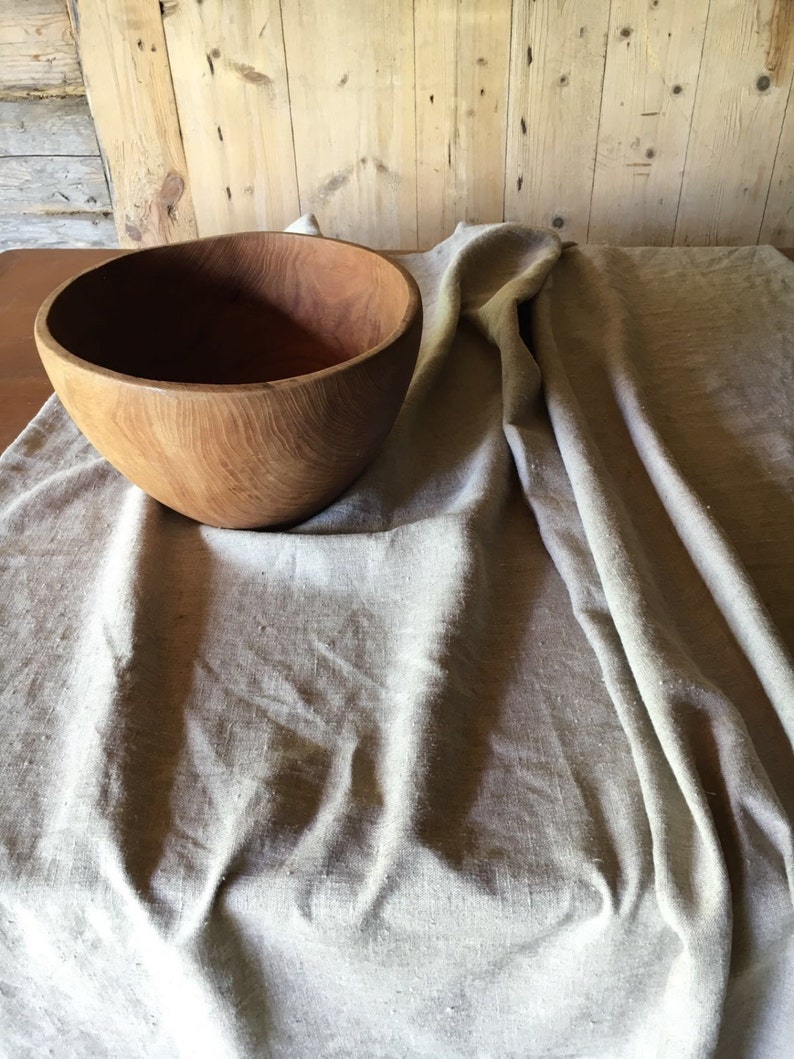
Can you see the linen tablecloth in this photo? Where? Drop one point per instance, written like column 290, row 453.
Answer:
column 493, row 757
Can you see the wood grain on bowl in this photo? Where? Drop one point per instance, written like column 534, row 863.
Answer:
column 244, row 380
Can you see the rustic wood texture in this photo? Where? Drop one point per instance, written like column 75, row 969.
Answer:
column 51, row 199
column 47, row 230
column 230, row 83
column 462, row 67
column 351, row 82
column 128, row 79
column 777, row 227
column 37, row 49
column 53, row 189
column 34, row 185
column 280, row 363
column 556, row 71
column 47, row 126
column 744, row 84
column 653, row 58
column 325, row 107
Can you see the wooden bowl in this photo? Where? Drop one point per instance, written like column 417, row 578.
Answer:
column 243, row 380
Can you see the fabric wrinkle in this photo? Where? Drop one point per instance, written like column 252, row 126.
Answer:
column 478, row 760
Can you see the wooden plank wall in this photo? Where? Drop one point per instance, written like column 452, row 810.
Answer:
column 664, row 122
column 53, row 190
column 128, row 79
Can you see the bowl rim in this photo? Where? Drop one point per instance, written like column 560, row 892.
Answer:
column 43, row 335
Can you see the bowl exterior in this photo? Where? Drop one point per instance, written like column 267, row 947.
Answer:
column 240, row 457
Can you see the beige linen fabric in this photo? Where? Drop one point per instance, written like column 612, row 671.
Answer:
column 490, row 758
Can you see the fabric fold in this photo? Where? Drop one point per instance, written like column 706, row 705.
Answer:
column 490, row 757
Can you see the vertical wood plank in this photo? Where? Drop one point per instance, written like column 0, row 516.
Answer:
column 351, row 78
column 230, row 82
column 745, row 79
column 653, row 60
column 556, row 73
column 128, row 80
column 462, row 68
column 777, row 227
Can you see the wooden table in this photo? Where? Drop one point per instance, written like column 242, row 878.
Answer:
column 26, row 278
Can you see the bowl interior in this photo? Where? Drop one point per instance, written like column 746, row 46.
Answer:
column 244, row 308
